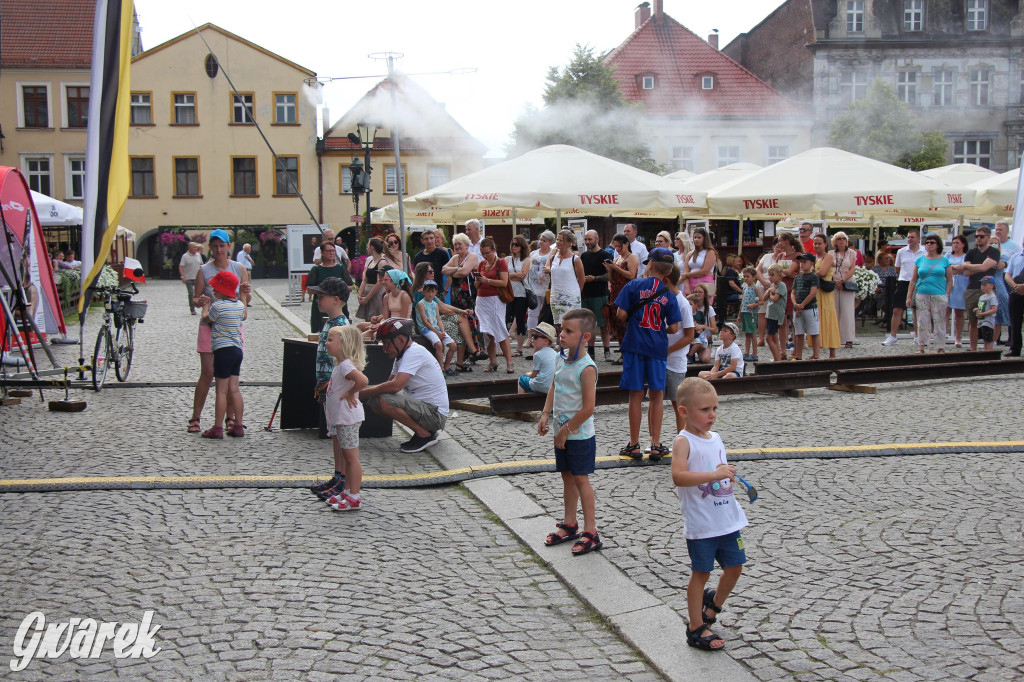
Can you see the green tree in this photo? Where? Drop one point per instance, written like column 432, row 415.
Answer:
column 882, row 127
column 584, row 107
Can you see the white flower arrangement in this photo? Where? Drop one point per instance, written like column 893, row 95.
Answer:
column 867, row 282
column 107, row 278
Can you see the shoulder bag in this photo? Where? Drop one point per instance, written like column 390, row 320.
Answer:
column 505, row 293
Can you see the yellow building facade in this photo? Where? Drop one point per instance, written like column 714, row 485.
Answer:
column 197, row 158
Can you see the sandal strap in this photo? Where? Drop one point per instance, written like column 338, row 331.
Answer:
column 567, row 528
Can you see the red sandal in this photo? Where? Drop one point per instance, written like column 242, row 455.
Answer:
column 587, row 543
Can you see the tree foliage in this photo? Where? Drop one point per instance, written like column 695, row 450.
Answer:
column 584, row 107
column 882, row 127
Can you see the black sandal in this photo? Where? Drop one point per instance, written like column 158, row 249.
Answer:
column 587, row 543
column 555, row 539
column 694, row 639
column 632, row 450
column 658, row 451
column 709, row 603
column 463, row 368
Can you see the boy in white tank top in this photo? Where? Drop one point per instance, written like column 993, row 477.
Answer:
column 713, row 519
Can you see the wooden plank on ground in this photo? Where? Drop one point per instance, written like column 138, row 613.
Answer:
column 875, row 361
column 925, row 372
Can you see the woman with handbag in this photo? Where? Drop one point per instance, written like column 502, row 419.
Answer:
column 518, row 262
column 700, row 266
column 492, row 280
column 460, row 282
column 828, row 316
column 620, row 271
column 846, row 288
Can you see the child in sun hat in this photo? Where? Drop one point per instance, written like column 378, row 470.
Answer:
column 225, row 315
column 538, row 380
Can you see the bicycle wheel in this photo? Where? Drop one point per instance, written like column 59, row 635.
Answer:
column 102, row 357
column 125, row 344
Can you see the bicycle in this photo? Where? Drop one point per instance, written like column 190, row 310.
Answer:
column 115, row 342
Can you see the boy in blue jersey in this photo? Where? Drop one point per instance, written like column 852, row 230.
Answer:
column 652, row 314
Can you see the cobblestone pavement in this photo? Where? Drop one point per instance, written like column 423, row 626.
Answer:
column 268, row 584
column 859, row 569
column 273, row 585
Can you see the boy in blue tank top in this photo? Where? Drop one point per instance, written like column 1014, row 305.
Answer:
column 713, row 519
column 570, row 405
column 652, row 314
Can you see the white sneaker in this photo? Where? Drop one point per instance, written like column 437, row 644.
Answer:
column 890, row 341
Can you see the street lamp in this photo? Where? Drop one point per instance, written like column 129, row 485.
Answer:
column 364, row 137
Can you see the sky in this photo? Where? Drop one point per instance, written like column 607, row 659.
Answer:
column 508, row 45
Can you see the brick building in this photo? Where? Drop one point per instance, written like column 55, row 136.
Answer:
column 704, row 110
column 958, row 64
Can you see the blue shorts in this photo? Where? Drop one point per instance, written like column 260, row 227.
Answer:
column 578, row 457
column 524, row 383
column 227, row 362
column 727, row 549
column 638, row 370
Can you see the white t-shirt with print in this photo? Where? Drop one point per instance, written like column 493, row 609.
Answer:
column 336, row 408
column 726, row 354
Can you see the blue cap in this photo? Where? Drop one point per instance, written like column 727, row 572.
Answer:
column 988, row 279
column 430, row 283
column 660, row 255
column 221, row 235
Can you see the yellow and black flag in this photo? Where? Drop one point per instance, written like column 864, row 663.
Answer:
column 108, row 175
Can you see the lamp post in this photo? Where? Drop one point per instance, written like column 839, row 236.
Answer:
column 364, row 137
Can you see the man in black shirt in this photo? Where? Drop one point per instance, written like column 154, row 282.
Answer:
column 595, row 288
column 979, row 262
column 437, row 257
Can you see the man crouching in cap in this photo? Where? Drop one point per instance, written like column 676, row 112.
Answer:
column 423, row 405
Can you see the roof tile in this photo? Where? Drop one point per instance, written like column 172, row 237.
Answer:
column 678, row 58
column 46, row 33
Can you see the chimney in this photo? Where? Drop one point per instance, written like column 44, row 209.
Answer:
column 326, row 121
column 642, row 14
column 659, row 10
column 713, row 39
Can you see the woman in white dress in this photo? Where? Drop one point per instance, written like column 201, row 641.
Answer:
column 566, row 271
column 537, row 279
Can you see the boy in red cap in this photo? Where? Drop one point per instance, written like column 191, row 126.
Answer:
column 225, row 315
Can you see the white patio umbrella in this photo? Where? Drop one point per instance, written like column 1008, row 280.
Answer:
column 53, row 212
column 556, row 179
column 720, row 177
column 996, row 195
column 826, row 179
column 959, row 174
column 681, row 174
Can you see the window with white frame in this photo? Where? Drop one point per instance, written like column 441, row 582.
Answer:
column 942, row 88
column 906, row 87
column 184, row 108
column 726, row 154
column 284, row 108
column 437, row 175
column 707, row 83
column 35, row 106
column 141, row 108
column 979, row 87
column 39, row 171
column 647, row 82
column 75, row 175
column 978, row 152
column 346, row 178
column 241, row 108
column 390, row 180
column 913, row 15
column 77, row 98
column 775, row 153
column 680, row 157
column 853, row 85
column 977, row 15
column 854, row 16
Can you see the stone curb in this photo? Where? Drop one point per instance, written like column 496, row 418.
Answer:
column 643, row 620
column 302, row 326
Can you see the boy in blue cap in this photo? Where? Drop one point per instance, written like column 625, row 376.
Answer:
column 651, row 314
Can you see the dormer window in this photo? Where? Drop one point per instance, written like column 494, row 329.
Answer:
column 707, row 82
column 647, row 82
